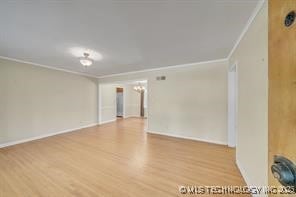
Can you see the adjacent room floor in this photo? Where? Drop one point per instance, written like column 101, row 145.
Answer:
column 115, row 159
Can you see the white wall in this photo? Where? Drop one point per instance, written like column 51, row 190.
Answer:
column 132, row 102
column 37, row 101
column 146, row 101
column 192, row 102
column 232, row 106
column 251, row 56
column 107, row 100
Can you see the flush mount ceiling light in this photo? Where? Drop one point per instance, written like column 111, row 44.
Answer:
column 86, row 56
column 85, row 60
column 78, row 51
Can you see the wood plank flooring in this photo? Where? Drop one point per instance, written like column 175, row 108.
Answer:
column 115, row 159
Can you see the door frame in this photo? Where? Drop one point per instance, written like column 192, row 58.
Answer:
column 232, row 104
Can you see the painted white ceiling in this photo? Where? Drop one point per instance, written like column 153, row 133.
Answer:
column 131, row 35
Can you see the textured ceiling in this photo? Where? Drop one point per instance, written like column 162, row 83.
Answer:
column 131, row 35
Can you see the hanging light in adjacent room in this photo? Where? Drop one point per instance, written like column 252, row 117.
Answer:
column 139, row 88
column 86, row 61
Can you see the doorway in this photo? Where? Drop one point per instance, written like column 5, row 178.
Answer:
column 119, row 102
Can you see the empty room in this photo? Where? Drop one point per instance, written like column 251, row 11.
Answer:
column 146, row 98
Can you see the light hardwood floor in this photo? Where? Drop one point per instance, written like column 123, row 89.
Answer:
column 115, row 159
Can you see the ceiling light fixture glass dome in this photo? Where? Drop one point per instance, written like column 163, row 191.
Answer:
column 86, row 61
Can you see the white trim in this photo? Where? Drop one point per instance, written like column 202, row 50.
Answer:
column 247, row 179
column 131, row 116
column 187, row 138
column 107, row 121
column 48, row 67
column 117, row 74
column 251, row 19
column 164, row 68
column 232, row 105
column 243, row 173
column 100, row 104
column 45, row 135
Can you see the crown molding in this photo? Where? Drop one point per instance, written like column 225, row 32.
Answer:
column 117, row 74
column 48, row 67
column 246, row 28
column 164, row 68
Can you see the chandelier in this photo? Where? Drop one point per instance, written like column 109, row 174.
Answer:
column 139, row 88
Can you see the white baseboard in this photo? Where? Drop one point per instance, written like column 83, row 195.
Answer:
column 246, row 178
column 243, row 172
column 187, row 138
column 132, row 116
column 44, row 136
column 107, row 121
